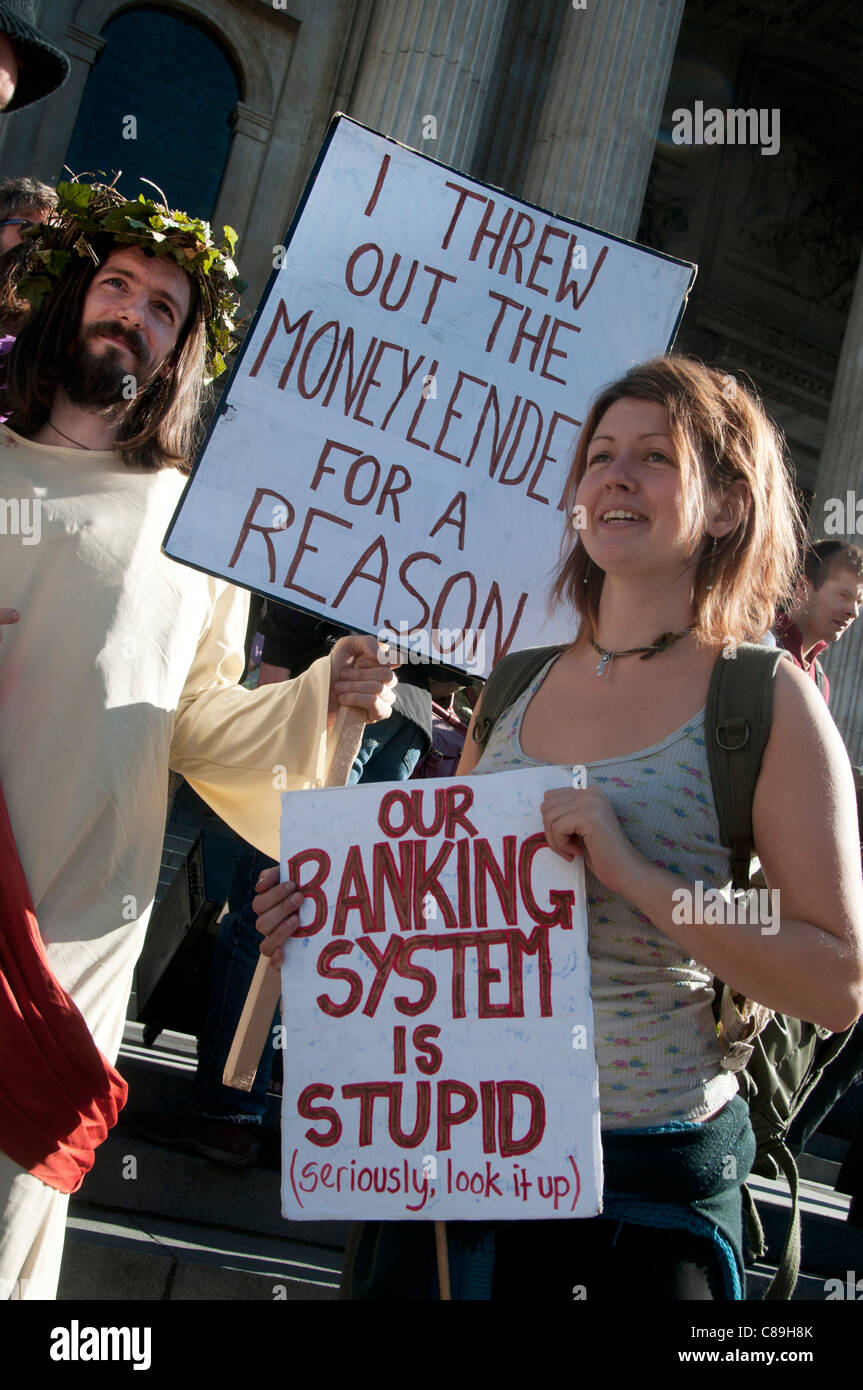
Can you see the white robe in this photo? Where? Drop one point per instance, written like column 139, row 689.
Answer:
column 124, row 663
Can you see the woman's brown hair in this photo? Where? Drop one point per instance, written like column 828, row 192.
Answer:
column 162, row 427
column 722, row 436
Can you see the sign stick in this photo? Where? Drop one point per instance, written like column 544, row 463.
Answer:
column 264, row 992
column 442, row 1261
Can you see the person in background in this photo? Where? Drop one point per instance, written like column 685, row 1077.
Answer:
column 31, row 67
column 826, row 602
column 24, row 202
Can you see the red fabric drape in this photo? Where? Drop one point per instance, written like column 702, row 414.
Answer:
column 58, row 1095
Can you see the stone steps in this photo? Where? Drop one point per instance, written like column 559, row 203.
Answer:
column 816, row 1169
column 829, row 1245
column 810, row 1288
column 115, row 1255
column 156, row 1223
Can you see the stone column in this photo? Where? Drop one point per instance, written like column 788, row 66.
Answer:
column 55, row 134
column 600, row 115
column 236, row 201
column 425, row 73
column 840, row 471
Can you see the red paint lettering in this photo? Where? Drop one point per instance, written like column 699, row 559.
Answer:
column 328, row 971
column 448, row 1116
column 406, row 970
column 250, row 525
column 423, row 1115
column 303, row 545
column 561, row 913
column 354, row 895
column 503, row 880
column 313, row 887
column 383, row 964
column 508, row 1145
column 321, row 1112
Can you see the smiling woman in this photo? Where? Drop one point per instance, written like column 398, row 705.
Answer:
column 734, row 513
column 688, row 542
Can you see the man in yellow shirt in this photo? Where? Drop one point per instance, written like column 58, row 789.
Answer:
column 117, row 663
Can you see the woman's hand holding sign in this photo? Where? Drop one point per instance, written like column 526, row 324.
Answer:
column 582, row 821
column 277, row 908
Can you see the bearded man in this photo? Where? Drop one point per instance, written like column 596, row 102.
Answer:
column 116, row 664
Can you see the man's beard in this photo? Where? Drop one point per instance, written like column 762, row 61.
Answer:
column 103, row 380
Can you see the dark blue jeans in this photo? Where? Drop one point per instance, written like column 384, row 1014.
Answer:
column 389, row 752
column 236, row 956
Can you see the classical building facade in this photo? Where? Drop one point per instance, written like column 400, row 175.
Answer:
column 575, row 106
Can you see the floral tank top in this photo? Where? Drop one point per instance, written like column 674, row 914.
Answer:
column 657, row 1049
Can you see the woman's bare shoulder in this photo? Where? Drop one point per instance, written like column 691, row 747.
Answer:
column 804, row 744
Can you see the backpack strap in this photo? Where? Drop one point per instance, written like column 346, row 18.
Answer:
column 511, row 675
column 754, row 1230
column 784, row 1281
column 737, row 726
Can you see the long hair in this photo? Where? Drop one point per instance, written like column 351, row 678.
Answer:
column 721, row 436
column 14, row 311
column 28, row 198
column 162, row 426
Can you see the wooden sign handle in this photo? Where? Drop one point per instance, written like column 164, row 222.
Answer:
column 265, row 990
column 442, row 1261
column 250, row 1039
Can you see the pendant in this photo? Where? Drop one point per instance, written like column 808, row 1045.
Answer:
column 604, row 660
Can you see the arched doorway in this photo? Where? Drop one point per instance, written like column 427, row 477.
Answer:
column 157, row 103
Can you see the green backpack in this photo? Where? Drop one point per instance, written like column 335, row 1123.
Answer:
column 789, row 1056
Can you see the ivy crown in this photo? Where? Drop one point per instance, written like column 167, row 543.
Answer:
column 88, row 210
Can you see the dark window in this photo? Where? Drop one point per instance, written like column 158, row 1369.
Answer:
column 176, row 82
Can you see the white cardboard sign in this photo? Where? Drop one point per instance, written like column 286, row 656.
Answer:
column 393, row 444
column 437, row 1023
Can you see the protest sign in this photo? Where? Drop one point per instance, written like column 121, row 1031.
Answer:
column 393, row 444
column 437, row 1023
